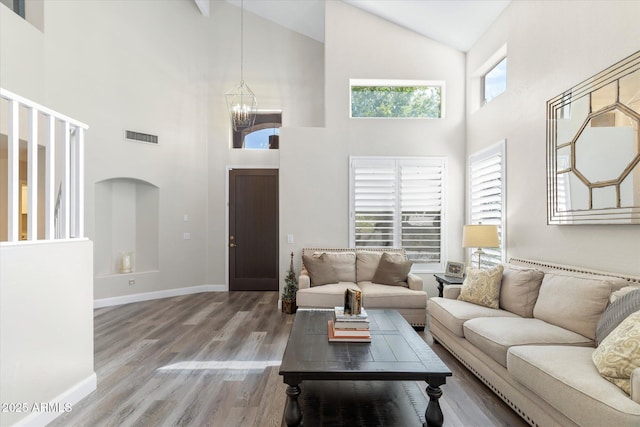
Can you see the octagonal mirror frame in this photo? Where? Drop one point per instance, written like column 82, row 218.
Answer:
column 613, row 118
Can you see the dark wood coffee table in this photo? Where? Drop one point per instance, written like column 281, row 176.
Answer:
column 396, row 353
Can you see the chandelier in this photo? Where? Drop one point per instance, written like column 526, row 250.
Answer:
column 241, row 101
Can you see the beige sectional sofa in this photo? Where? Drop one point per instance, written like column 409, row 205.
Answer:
column 355, row 269
column 535, row 350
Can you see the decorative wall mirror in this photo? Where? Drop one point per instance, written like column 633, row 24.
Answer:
column 593, row 149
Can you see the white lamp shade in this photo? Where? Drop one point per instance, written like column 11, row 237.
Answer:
column 480, row 236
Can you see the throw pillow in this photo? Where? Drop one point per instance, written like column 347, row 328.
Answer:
column 619, row 353
column 367, row 263
column 390, row 271
column 321, row 272
column 344, row 263
column 616, row 313
column 621, row 292
column 519, row 289
column 482, row 287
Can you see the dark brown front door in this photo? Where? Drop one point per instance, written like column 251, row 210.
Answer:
column 253, row 230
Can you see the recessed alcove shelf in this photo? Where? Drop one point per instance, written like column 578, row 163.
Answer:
column 127, row 220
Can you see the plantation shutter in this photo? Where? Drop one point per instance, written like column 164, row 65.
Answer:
column 375, row 193
column 421, row 193
column 487, row 196
column 398, row 203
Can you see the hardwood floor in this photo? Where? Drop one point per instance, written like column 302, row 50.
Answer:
column 212, row 359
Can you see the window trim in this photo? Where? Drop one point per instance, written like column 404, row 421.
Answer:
column 498, row 148
column 399, row 83
column 417, row 267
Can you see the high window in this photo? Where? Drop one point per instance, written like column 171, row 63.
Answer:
column 397, row 98
column 263, row 135
column 399, row 202
column 494, row 82
column 486, row 192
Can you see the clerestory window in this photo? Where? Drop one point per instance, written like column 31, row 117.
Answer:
column 263, row 135
column 494, row 82
column 396, row 99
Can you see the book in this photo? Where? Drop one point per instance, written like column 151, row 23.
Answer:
column 350, row 325
column 349, row 332
column 340, row 314
column 352, row 301
column 334, row 338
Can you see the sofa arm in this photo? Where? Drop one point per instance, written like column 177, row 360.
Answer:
column 415, row 282
column 635, row 385
column 304, row 281
column 451, row 291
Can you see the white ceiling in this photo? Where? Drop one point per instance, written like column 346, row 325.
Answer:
column 456, row 23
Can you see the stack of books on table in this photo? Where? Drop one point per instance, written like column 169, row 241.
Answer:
column 349, row 327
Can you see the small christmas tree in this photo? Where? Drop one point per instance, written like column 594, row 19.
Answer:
column 290, row 289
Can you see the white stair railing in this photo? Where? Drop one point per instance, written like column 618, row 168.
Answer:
column 64, row 168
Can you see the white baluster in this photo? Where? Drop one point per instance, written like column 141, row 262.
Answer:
column 50, row 183
column 66, row 181
column 32, row 175
column 13, row 176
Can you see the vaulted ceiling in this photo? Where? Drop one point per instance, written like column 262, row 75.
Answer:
column 456, row 23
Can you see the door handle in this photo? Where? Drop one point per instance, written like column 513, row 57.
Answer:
column 232, row 245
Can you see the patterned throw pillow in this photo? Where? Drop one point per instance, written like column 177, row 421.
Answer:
column 482, row 287
column 616, row 312
column 619, row 353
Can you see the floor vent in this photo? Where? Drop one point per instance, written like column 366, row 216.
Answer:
column 140, row 137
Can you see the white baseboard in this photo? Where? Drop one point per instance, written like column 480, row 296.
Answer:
column 63, row 402
column 126, row 299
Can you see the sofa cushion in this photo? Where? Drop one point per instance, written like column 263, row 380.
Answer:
column 519, row 289
column 375, row 295
column 566, row 377
column 367, row 263
column 616, row 312
column 482, row 286
column 321, row 269
column 574, row 301
column 392, row 272
column 619, row 353
column 495, row 335
column 452, row 313
column 327, row 296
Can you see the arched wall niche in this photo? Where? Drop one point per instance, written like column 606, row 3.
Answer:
column 127, row 222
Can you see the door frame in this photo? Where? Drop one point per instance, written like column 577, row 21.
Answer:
column 226, row 217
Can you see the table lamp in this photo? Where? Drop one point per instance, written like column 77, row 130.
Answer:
column 480, row 236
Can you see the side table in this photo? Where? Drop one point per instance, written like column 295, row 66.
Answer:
column 443, row 279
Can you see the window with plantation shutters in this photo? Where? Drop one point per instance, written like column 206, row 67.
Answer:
column 398, row 202
column 487, row 196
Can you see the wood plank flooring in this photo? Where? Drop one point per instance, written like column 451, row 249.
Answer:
column 212, row 359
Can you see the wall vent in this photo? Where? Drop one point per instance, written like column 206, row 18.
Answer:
column 140, row 137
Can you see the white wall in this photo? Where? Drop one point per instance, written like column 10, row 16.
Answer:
column 46, row 325
column 161, row 67
column 314, row 163
column 551, row 46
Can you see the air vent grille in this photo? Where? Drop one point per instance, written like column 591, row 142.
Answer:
column 140, row 137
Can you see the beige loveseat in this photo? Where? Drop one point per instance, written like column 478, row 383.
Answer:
column 535, row 350
column 355, row 269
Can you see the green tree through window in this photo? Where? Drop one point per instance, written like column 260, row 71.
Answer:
column 396, row 101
